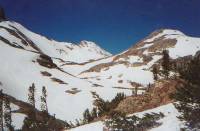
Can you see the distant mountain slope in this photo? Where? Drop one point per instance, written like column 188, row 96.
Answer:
column 27, row 58
column 18, row 36
column 135, row 64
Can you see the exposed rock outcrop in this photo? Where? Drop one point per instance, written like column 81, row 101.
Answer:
column 156, row 95
column 2, row 14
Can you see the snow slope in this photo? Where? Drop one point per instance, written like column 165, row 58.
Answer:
column 19, row 51
column 169, row 123
column 96, row 126
column 135, row 64
column 18, row 72
column 83, row 52
column 82, row 68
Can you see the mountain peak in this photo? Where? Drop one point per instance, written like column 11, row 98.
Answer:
column 166, row 31
column 87, row 43
column 163, row 33
column 93, row 45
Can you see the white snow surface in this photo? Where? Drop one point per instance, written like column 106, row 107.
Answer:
column 17, row 120
column 96, row 126
column 83, row 52
column 19, row 70
column 170, row 122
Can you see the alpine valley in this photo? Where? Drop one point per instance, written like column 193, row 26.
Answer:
column 72, row 73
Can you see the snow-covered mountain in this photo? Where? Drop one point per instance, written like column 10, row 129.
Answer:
column 28, row 58
column 18, row 36
column 70, row 72
column 134, row 65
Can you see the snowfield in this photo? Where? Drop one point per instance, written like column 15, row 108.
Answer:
column 96, row 126
column 19, row 69
column 184, row 46
column 20, row 49
column 18, row 72
column 83, row 52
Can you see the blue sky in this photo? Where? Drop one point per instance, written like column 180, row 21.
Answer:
column 113, row 24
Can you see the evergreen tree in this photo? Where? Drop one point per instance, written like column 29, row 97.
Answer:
column 165, row 63
column 187, row 94
column 1, row 110
column 120, row 122
column 27, row 124
column 44, row 123
column 44, row 107
column 77, row 122
column 155, row 73
column 136, row 90
column 7, row 114
column 31, row 95
column 71, row 124
column 104, row 107
column 100, row 104
column 94, row 113
column 86, row 116
column 30, row 122
column 118, row 98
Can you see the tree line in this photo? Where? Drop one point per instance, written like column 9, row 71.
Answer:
column 166, row 67
column 187, row 92
column 101, row 108
column 120, row 122
column 31, row 123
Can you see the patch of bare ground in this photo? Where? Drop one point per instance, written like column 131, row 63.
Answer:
column 120, row 81
column 58, row 81
column 96, row 85
column 156, row 95
column 98, row 68
column 84, row 63
column 18, row 34
column 46, row 61
column 161, row 44
column 73, row 91
column 110, row 77
column 45, row 73
column 9, row 43
column 118, row 87
column 26, row 40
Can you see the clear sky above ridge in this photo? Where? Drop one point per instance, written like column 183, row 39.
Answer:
column 113, row 24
